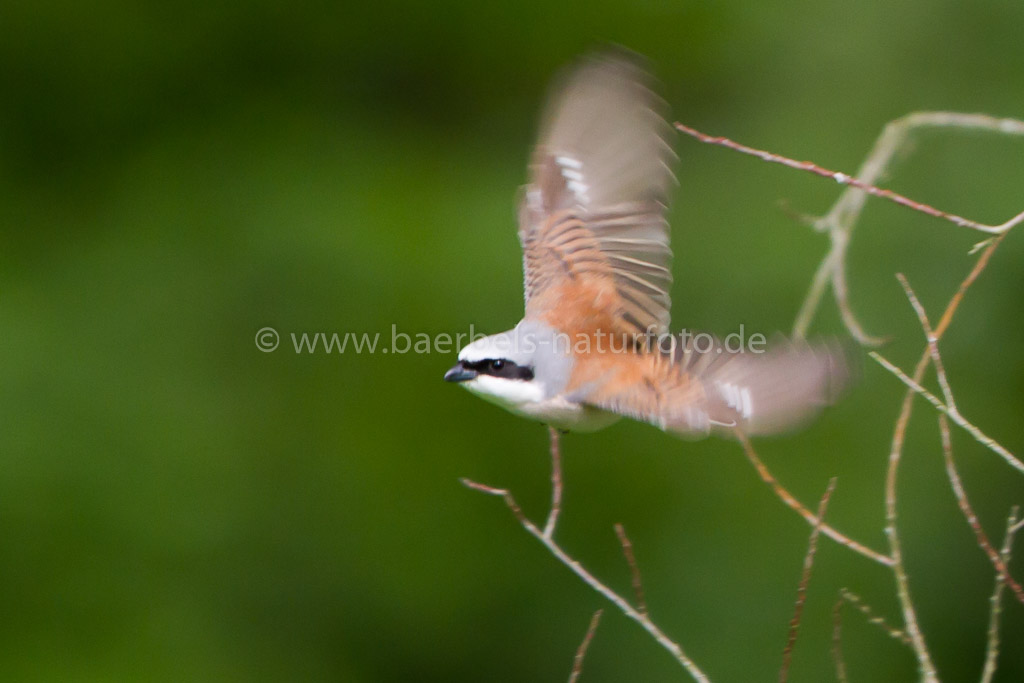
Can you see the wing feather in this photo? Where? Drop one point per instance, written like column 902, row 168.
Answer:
column 593, row 214
column 696, row 388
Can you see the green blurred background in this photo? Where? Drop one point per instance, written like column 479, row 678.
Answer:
column 177, row 505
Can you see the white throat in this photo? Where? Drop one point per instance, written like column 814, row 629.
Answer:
column 536, row 346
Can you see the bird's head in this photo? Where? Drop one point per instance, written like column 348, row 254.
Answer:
column 525, row 365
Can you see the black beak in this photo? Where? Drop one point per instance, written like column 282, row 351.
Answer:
column 459, row 374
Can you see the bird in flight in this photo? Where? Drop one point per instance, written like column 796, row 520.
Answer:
column 594, row 344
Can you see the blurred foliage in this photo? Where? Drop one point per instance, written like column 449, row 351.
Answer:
column 177, row 505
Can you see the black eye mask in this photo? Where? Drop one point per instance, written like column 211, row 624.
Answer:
column 500, row 367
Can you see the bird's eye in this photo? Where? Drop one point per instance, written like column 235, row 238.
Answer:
column 497, row 365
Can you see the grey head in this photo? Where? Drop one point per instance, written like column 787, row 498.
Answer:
column 527, row 364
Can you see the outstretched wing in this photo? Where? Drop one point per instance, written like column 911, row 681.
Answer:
column 700, row 386
column 592, row 219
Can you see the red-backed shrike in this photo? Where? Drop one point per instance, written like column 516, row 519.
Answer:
column 594, row 344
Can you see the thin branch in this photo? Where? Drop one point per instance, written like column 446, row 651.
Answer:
column 505, row 495
column 822, row 276
column 992, row 642
column 579, row 570
column 556, row 482
column 1011, row 125
column 872, row 618
column 947, row 447
column 924, row 659
column 790, row 500
column 841, row 219
column 581, row 651
column 953, row 415
column 634, row 568
column 805, row 579
column 847, row 597
column 840, row 290
column 933, row 342
column 837, row 641
column 972, row 519
column 954, row 303
column 952, row 307
column 899, row 433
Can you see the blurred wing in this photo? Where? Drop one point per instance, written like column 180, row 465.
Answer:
column 592, row 219
column 691, row 391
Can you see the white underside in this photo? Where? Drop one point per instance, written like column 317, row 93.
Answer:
column 562, row 414
column 524, row 399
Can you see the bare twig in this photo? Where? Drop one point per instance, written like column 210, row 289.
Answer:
column 839, row 222
column 844, row 179
column 581, row 651
column 933, row 342
column 949, row 407
column 822, row 277
column 579, row 570
column 790, row 500
column 556, row 482
column 504, row 494
column 954, row 303
column 840, row 290
column 924, row 659
column 837, row 641
column 847, row 597
column 947, row 447
column 872, row 618
column 1005, row 125
column 992, row 642
column 634, row 568
column 841, row 219
column 953, row 415
column 899, row 433
column 805, row 578
column 972, row 519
